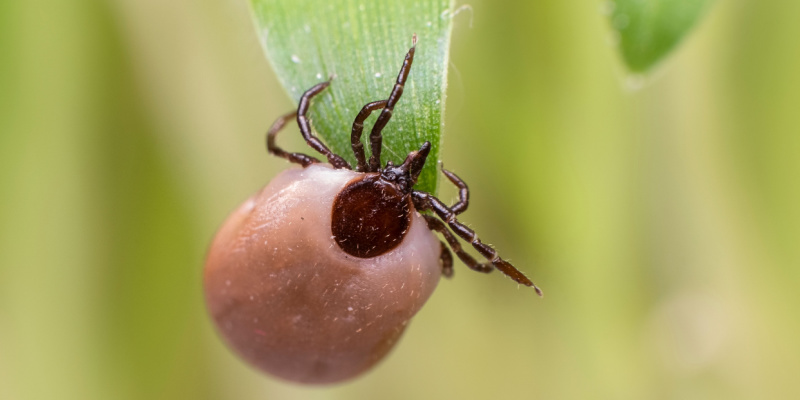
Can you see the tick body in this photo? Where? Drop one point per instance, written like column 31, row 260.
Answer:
column 314, row 278
column 292, row 303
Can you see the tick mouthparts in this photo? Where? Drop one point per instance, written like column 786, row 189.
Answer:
column 416, row 160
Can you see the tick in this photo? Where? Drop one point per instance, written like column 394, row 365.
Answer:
column 315, row 277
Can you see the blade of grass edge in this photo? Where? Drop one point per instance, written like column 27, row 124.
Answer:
column 362, row 45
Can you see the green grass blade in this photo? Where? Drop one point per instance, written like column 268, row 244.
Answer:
column 363, row 44
column 650, row 29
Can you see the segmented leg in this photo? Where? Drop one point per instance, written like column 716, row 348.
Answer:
column 358, row 128
column 375, row 137
column 438, row 226
column 299, row 158
column 305, row 127
column 447, row 261
column 463, row 192
column 424, row 201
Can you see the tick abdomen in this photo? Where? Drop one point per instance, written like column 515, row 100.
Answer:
column 289, row 300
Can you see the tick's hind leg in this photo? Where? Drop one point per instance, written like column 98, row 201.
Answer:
column 447, row 261
column 424, row 201
column 298, row 158
column 438, row 226
column 305, row 127
column 375, row 138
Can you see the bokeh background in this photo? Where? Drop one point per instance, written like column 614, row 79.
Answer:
column 660, row 213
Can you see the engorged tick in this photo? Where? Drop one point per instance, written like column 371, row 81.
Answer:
column 385, row 192
column 315, row 277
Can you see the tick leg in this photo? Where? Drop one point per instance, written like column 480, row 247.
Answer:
column 438, row 226
column 447, row 261
column 358, row 128
column 375, row 138
column 463, row 192
column 299, row 158
column 305, row 127
column 424, row 201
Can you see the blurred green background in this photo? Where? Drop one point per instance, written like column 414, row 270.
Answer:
column 659, row 214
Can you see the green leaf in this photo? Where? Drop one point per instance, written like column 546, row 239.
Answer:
column 650, row 29
column 362, row 44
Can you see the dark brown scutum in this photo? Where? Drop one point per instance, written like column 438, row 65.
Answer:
column 370, row 217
